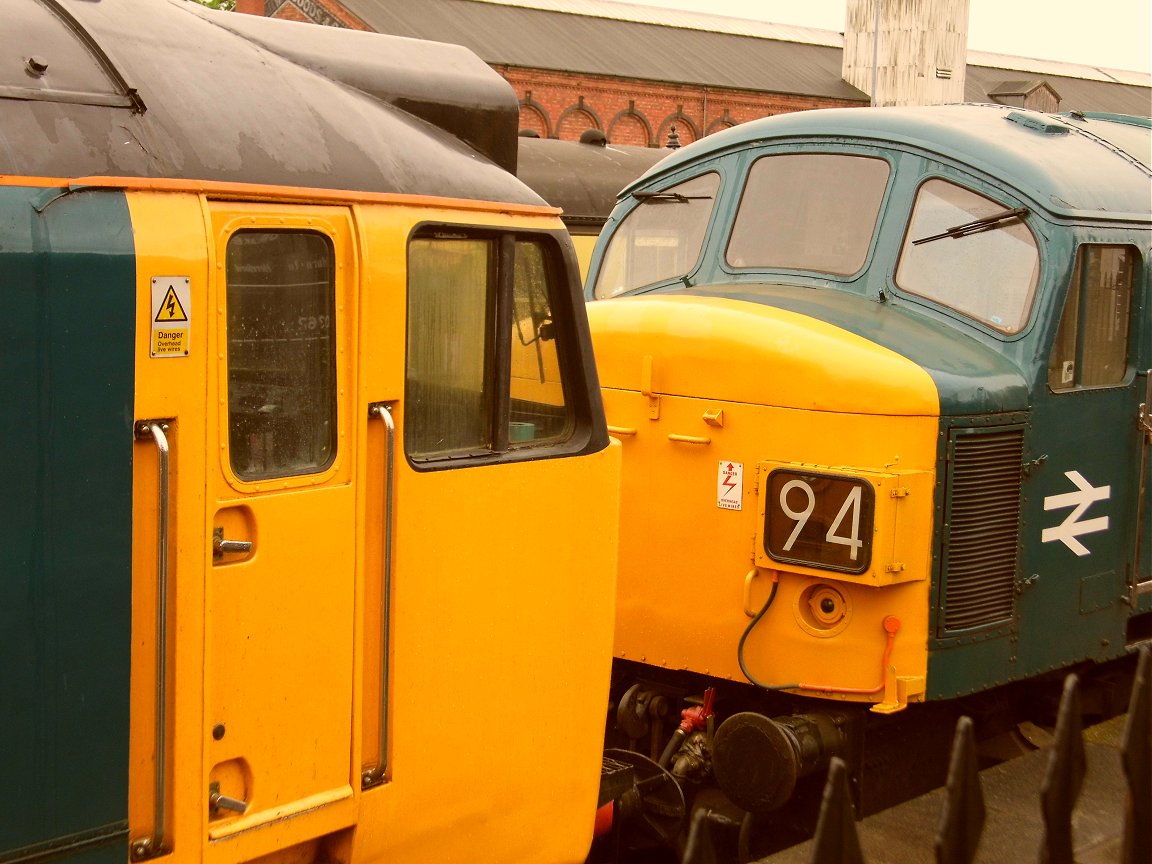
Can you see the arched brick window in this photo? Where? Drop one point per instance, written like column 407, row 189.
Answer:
column 724, row 121
column 686, row 130
column 575, row 120
column 534, row 116
column 631, row 127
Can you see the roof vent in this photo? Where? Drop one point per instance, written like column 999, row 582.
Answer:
column 594, row 137
column 1040, row 123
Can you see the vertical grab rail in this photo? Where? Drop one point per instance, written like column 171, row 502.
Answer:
column 381, row 411
column 154, row 844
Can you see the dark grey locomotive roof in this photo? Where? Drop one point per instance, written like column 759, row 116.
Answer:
column 169, row 89
column 582, row 178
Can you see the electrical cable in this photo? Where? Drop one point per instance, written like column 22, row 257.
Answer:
column 891, row 627
column 744, row 637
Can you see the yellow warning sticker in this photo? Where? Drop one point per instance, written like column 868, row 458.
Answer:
column 170, row 308
column 171, row 316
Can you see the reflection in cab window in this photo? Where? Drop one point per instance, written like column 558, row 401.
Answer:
column 808, row 211
column 971, row 254
column 281, row 295
column 537, row 405
column 659, row 239
column 1091, row 348
column 483, row 372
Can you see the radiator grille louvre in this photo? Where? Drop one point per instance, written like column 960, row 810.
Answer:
column 984, row 524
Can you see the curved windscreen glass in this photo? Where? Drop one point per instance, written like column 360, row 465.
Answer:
column 808, row 211
column 972, row 254
column 660, row 239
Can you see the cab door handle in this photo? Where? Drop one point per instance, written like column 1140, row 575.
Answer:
column 222, row 547
column 218, row 802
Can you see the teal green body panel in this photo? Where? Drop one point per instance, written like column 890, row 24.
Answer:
column 1081, row 498
column 972, row 664
column 67, row 288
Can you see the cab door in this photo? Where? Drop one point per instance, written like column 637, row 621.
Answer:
column 281, row 516
column 1085, row 478
column 1143, row 586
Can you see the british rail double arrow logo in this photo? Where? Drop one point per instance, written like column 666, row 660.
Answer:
column 1073, row 526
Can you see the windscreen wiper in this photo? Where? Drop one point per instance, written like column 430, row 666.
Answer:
column 674, row 197
column 977, row 225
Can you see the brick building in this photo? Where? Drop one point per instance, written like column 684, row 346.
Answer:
column 642, row 75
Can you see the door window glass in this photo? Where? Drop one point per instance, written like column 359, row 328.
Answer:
column 809, row 211
column 538, row 411
column 660, row 239
column 989, row 274
column 451, row 291
column 281, row 295
column 485, row 352
column 1091, row 348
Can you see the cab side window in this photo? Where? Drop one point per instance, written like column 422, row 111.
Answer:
column 1091, row 348
column 485, row 356
column 281, row 294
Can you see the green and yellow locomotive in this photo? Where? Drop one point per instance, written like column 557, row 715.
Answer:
column 882, row 382
column 307, row 488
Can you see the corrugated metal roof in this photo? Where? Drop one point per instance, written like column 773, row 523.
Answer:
column 592, row 37
column 592, row 45
column 1076, row 94
column 684, row 19
column 811, row 36
column 1102, row 74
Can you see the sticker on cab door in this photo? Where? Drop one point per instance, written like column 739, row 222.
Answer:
column 730, row 485
column 171, row 322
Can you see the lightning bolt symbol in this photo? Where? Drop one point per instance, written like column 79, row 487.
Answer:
column 171, row 305
column 729, row 481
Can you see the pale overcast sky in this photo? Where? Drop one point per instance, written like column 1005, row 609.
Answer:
column 1116, row 34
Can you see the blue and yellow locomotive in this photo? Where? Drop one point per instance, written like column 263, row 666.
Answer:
column 882, row 382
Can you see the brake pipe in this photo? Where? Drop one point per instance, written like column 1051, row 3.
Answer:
column 693, row 718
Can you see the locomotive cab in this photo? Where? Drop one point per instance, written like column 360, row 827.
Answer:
column 306, row 462
column 881, row 379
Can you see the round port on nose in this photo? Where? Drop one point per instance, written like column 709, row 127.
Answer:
column 823, row 609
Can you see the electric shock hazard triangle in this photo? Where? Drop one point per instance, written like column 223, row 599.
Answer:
column 170, row 308
column 171, row 316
